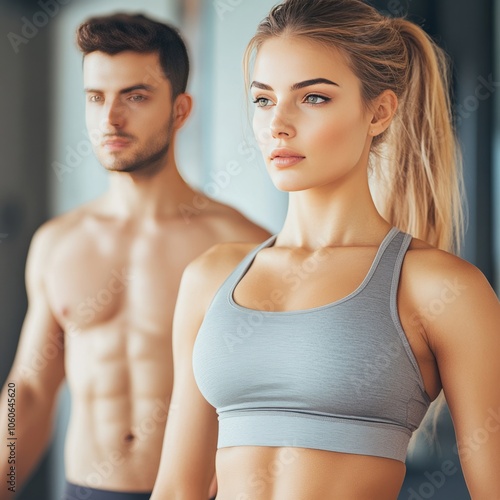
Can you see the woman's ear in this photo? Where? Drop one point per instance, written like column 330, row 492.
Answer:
column 383, row 110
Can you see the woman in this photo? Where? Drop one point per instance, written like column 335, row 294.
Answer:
column 322, row 348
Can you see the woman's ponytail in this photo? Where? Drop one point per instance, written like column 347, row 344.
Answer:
column 418, row 161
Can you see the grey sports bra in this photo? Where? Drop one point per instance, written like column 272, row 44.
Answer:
column 339, row 377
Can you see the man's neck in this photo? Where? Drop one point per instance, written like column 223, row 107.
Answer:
column 132, row 195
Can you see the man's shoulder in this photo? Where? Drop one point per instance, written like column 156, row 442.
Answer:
column 48, row 237
column 52, row 230
column 231, row 225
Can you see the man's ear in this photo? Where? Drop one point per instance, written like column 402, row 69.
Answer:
column 182, row 109
column 383, row 110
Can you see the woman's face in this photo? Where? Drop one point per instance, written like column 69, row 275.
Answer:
column 309, row 119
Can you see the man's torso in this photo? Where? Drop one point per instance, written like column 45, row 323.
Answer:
column 112, row 287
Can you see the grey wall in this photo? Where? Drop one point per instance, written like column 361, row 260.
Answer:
column 496, row 150
column 468, row 38
column 228, row 136
column 25, row 111
column 25, row 114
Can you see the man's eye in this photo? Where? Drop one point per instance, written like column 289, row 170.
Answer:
column 95, row 98
column 137, row 98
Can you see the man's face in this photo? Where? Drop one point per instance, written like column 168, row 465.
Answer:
column 128, row 110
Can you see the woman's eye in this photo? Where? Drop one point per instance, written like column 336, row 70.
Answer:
column 315, row 99
column 262, row 102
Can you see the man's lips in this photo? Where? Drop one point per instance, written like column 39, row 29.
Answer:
column 116, row 142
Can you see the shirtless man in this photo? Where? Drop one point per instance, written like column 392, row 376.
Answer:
column 102, row 280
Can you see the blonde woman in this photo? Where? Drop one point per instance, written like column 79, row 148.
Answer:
column 303, row 365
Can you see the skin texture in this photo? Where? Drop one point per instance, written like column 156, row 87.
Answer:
column 331, row 210
column 102, row 282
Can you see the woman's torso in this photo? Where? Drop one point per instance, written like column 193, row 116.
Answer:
column 282, row 280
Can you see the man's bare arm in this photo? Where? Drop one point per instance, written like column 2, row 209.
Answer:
column 28, row 396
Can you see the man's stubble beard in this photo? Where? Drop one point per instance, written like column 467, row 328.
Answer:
column 149, row 157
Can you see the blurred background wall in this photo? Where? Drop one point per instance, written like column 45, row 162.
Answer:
column 47, row 168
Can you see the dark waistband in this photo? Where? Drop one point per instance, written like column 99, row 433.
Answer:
column 76, row 492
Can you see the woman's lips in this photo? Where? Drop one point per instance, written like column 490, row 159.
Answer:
column 286, row 161
column 284, row 157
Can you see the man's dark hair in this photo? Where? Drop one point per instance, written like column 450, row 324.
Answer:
column 120, row 32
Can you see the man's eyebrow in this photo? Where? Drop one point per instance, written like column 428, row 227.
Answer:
column 295, row 86
column 132, row 88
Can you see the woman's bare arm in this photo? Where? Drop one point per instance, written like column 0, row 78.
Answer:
column 187, row 464
column 464, row 334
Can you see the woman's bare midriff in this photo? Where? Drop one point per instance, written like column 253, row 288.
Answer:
column 277, row 473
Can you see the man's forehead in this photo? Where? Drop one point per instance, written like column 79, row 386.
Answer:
column 123, row 69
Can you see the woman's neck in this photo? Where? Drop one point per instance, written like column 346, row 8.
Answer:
column 333, row 216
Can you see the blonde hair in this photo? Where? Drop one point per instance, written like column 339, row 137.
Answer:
column 415, row 165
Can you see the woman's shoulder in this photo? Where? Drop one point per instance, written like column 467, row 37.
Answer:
column 208, row 272
column 428, row 264
column 439, row 283
column 221, row 258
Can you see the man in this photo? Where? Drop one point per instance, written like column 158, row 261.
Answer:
column 102, row 280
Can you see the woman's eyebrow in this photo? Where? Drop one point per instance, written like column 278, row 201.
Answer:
column 295, row 86
column 314, row 81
